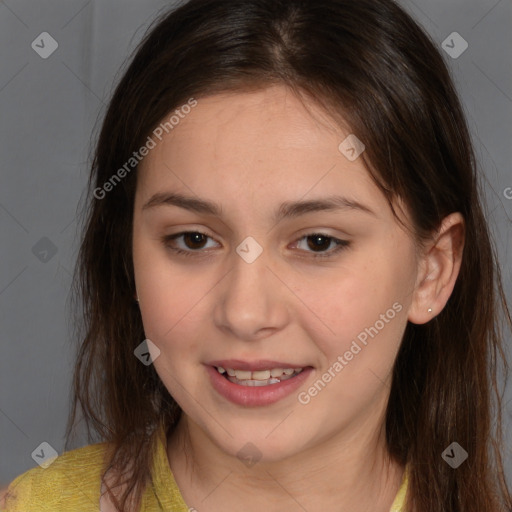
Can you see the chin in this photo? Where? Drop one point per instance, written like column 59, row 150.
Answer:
column 253, row 449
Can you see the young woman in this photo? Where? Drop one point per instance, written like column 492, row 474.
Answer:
column 291, row 299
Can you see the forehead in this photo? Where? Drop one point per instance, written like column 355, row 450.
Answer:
column 257, row 146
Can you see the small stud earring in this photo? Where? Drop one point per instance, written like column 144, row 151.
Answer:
column 429, row 309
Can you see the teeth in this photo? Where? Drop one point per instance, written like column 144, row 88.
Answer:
column 254, row 383
column 242, row 374
column 260, row 377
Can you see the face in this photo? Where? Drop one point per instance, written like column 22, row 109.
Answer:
column 265, row 284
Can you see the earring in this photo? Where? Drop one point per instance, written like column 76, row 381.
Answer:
column 429, row 309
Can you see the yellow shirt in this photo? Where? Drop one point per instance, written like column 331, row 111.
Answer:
column 72, row 483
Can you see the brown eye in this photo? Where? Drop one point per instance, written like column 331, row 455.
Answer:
column 319, row 243
column 194, row 240
column 193, row 243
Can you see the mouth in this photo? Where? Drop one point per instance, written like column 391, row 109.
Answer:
column 259, row 383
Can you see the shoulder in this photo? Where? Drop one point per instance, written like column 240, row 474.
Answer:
column 71, row 482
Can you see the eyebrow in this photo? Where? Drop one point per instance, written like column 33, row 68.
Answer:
column 288, row 209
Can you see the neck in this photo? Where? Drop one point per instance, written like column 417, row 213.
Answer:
column 350, row 471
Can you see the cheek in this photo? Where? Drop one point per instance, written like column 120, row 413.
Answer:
column 170, row 298
column 368, row 323
column 170, row 308
column 366, row 304
column 171, row 311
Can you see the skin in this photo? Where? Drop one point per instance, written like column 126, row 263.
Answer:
column 250, row 152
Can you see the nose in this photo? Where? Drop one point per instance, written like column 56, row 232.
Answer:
column 252, row 302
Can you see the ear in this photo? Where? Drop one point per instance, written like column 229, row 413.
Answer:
column 439, row 267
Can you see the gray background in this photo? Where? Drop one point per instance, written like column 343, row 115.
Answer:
column 49, row 110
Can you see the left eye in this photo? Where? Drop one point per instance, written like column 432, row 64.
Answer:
column 320, row 240
column 194, row 242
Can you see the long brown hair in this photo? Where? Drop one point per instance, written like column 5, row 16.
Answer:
column 369, row 64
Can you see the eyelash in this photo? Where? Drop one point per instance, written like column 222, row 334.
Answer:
column 340, row 244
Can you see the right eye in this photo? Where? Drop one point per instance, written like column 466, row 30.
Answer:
column 196, row 240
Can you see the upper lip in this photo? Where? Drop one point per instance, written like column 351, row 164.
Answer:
column 253, row 366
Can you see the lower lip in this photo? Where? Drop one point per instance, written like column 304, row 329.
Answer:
column 250, row 396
